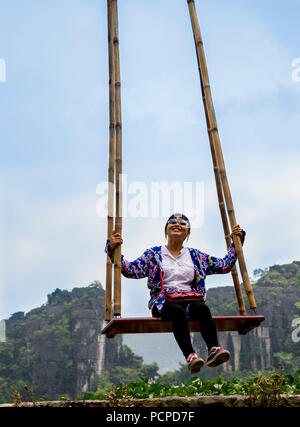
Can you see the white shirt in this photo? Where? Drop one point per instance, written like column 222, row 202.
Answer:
column 178, row 272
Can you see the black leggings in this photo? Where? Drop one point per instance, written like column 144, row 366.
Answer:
column 175, row 312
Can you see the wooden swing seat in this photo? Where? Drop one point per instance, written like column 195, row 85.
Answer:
column 142, row 325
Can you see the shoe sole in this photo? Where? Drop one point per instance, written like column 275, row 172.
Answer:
column 196, row 366
column 221, row 357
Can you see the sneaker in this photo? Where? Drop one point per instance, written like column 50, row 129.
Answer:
column 216, row 356
column 195, row 363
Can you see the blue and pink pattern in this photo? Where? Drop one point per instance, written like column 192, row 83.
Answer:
column 149, row 265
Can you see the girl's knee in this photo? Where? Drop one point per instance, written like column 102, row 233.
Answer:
column 200, row 310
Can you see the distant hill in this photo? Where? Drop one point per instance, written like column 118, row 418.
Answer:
column 277, row 294
column 58, row 348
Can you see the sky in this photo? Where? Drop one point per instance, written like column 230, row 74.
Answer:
column 54, row 127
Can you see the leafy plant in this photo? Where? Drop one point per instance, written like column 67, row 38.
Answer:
column 267, row 392
column 262, row 390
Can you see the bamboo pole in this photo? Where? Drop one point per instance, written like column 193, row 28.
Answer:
column 111, row 168
column 234, row 274
column 118, row 161
column 214, row 137
column 222, row 208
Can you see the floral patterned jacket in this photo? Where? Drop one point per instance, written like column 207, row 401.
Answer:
column 149, row 265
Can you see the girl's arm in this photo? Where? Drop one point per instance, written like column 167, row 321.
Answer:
column 137, row 269
column 215, row 265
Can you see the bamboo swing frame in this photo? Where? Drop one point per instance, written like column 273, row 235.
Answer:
column 241, row 323
column 115, row 159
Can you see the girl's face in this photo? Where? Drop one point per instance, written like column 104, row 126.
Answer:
column 178, row 228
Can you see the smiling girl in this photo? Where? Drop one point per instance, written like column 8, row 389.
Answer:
column 175, row 268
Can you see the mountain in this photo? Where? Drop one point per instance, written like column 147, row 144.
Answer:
column 58, row 348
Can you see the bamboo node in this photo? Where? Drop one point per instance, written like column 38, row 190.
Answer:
column 212, row 129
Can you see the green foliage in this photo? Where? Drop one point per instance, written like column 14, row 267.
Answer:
column 295, row 281
column 275, row 278
column 285, row 359
column 101, row 384
column 127, row 367
column 262, row 390
column 266, row 392
column 282, row 275
column 127, row 358
column 58, row 296
column 178, row 376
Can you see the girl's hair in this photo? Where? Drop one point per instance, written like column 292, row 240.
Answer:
column 175, row 215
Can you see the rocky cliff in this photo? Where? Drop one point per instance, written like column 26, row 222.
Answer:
column 273, row 344
column 57, row 348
